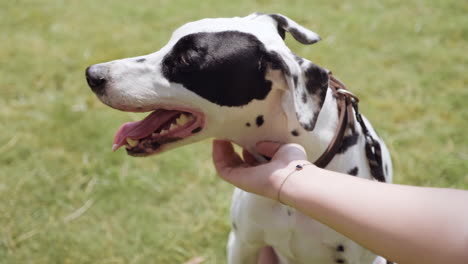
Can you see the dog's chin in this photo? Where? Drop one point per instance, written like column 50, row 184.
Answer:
column 161, row 130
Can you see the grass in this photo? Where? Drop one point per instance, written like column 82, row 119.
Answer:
column 66, row 198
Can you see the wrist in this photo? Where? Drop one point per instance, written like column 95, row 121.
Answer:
column 294, row 169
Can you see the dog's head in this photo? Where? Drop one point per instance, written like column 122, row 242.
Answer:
column 209, row 67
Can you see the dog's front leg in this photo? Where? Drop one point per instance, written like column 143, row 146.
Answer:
column 241, row 252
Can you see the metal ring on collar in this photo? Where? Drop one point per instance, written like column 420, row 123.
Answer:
column 346, row 92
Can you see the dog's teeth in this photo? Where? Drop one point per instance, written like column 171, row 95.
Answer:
column 164, row 131
column 132, row 142
column 173, row 126
column 182, row 120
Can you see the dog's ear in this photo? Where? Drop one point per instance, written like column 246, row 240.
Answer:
column 307, row 89
column 300, row 33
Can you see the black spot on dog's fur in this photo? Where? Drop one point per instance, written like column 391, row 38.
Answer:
column 354, row 171
column 348, row 141
column 304, row 98
column 295, row 133
column 340, row 260
column 317, row 80
column 141, row 60
column 298, row 59
column 310, row 126
column 277, row 63
column 247, row 124
column 295, row 79
column 340, row 248
column 226, row 68
column 259, row 121
column 316, row 84
column 196, row 130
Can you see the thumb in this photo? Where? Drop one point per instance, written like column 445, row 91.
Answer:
column 286, row 152
column 290, row 152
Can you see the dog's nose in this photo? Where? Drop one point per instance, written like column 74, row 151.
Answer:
column 96, row 79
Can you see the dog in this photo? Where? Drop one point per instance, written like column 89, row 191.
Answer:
column 235, row 79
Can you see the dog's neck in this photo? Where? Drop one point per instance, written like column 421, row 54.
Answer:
column 266, row 120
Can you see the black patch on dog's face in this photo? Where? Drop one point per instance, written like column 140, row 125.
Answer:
column 259, row 121
column 226, row 68
column 295, row 133
column 354, row 171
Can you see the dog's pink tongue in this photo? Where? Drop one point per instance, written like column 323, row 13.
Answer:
column 143, row 128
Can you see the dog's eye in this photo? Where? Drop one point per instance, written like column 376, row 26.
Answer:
column 183, row 60
column 190, row 56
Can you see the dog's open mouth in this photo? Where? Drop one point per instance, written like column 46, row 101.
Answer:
column 162, row 126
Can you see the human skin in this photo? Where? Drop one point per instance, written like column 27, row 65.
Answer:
column 405, row 224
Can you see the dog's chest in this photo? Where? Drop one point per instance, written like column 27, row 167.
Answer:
column 295, row 237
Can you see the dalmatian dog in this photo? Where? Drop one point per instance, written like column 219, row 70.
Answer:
column 235, row 79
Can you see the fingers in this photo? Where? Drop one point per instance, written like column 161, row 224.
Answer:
column 267, row 256
column 232, row 169
column 261, row 179
column 249, row 158
column 225, row 158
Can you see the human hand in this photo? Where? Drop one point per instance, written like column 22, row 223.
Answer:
column 247, row 174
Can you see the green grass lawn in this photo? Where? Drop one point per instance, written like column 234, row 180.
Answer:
column 66, row 198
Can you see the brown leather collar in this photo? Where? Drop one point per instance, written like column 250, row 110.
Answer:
column 346, row 101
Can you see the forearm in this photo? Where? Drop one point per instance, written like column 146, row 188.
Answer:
column 405, row 224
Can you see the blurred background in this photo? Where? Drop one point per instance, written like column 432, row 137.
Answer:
column 66, row 198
